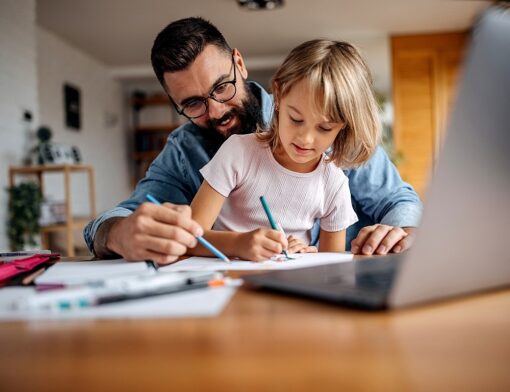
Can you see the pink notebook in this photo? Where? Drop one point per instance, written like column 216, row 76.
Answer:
column 10, row 269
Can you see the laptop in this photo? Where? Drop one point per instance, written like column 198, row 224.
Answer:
column 462, row 244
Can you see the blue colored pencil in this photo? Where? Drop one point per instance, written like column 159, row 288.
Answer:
column 272, row 222
column 152, row 199
column 213, row 249
column 206, row 244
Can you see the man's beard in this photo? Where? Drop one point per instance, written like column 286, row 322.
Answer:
column 249, row 115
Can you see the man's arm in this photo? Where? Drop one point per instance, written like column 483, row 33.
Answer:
column 390, row 205
column 170, row 178
column 96, row 232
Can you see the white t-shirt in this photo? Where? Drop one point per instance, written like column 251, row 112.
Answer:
column 244, row 169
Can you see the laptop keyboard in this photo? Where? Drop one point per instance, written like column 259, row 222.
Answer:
column 379, row 279
column 365, row 283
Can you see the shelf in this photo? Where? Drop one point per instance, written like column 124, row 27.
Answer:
column 73, row 222
column 150, row 138
column 152, row 100
column 168, row 128
column 77, row 223
column 146, row 155
column 48, row 168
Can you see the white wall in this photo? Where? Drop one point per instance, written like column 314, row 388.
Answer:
column 18, row 89
column 102, row 143
column 376, row 50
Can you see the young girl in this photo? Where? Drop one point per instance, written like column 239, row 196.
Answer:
column 325, row 119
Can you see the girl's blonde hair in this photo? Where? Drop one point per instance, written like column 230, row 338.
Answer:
column 341, row 88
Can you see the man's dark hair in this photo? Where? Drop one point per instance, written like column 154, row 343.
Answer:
column 179, row 44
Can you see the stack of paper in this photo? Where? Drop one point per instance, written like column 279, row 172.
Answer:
column 300, row 260
column 81, row 272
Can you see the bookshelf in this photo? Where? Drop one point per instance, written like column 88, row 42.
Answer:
column 149, row 138
column 72, row 222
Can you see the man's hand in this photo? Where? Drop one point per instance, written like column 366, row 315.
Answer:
column 261, row 244
column 298, row 246
column 381, row 239
column 154, row 232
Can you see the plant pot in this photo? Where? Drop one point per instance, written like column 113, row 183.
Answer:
column 26, row 242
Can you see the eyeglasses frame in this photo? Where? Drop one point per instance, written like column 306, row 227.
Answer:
column 205, row 100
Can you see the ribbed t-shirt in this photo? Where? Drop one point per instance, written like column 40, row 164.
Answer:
column 244, row 169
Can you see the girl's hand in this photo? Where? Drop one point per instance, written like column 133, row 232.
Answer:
column 261, row 244
column 297, row 246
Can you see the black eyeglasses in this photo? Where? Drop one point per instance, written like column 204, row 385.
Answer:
column 221, row 93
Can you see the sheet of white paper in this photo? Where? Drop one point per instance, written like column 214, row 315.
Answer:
column 81, row 272
column 301, row 260
column 207, row 302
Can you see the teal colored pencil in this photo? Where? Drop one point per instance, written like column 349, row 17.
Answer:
column 272, row 222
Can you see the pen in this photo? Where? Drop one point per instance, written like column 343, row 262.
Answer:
column 116, row 290
column 206, row 244
column 272, row 222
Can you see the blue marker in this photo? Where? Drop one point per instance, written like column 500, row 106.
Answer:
column 272, row 222
column 206, row 244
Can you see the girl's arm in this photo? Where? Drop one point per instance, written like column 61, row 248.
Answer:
column 259, row 244
column 205, row 208
column 206, row 205
column 332, row 241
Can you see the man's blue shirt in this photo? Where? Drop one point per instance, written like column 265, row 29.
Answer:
column 378, row 193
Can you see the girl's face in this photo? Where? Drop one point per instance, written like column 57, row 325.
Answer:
column 304, row 134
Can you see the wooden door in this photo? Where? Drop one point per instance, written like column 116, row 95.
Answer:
column 425, row 72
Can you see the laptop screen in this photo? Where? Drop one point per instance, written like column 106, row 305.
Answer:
column 461, row 243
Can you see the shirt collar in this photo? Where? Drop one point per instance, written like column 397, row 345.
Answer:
column 265, row 100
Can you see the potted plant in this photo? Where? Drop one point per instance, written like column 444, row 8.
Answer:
column 387, row 142
column 23, row 215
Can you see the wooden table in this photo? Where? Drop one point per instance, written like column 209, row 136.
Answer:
column 266, row 342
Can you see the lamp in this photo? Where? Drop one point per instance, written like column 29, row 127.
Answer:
column 260, row 4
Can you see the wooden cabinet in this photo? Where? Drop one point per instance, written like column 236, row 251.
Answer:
column 149, row 138
column 72, row 222
column 425, row 73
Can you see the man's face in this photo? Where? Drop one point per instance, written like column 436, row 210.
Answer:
column 211, row 67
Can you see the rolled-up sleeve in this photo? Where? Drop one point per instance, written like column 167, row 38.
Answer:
column 91, row 230
column 381, row 194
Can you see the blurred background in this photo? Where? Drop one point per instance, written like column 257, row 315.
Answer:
column 78, row 91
